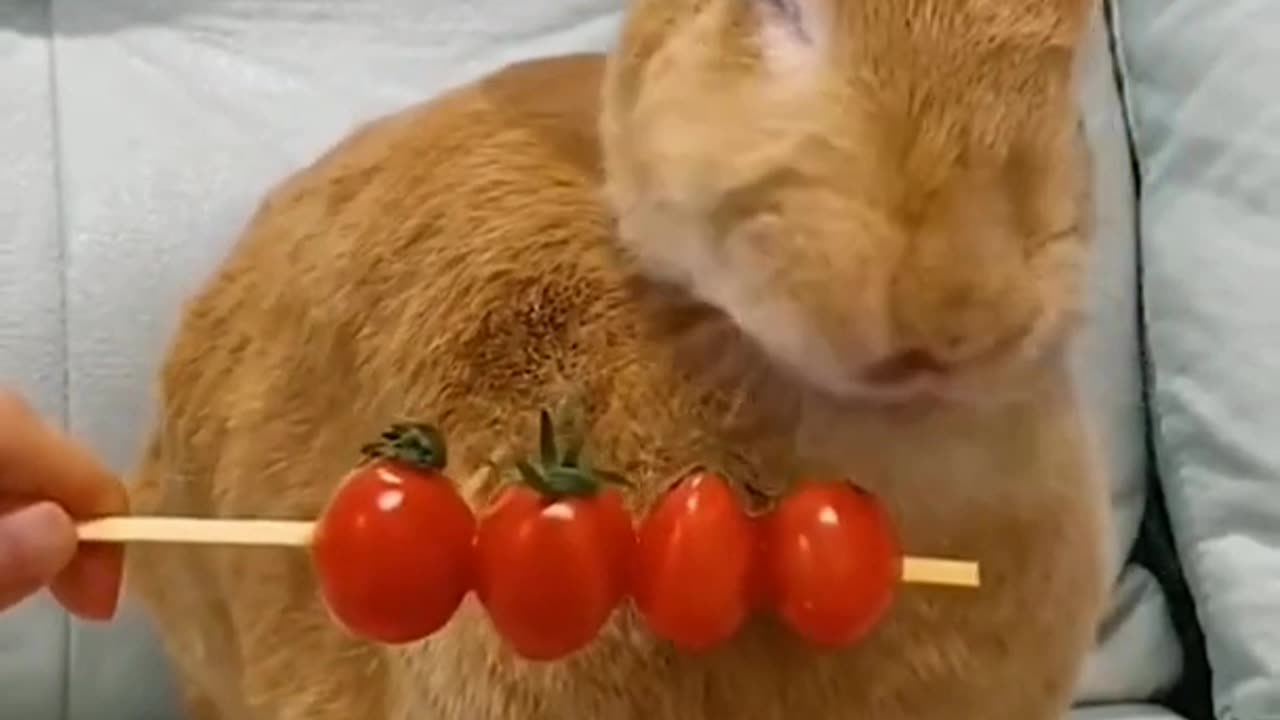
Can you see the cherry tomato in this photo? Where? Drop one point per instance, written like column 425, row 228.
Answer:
column 833, row 562
column 694, row 578
column 551, row 571
column 393, row 548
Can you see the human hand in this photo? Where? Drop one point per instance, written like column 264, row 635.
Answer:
column 47, row 482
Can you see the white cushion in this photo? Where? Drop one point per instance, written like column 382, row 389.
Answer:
column 1138, row 656
column 33, row 638
column 1205, row 101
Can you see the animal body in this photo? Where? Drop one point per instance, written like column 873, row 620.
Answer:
column 779, row 237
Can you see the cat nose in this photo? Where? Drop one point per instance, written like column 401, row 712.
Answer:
column 902, row 366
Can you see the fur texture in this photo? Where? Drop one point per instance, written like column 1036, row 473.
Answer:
column 775, row 235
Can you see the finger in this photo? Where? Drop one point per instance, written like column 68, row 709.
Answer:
column 38, row 461
column 90, row 586
column 36, row 543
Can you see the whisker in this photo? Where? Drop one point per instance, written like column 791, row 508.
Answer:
column 1066, row 233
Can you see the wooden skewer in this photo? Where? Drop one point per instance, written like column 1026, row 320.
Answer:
column 198, row 531
column 937, row 571
column 298, row 533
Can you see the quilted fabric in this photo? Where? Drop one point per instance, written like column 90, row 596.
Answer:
column 1205, row 103
column 146, row 131
column 33, row 637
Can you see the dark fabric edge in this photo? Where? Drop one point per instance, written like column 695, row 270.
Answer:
column 1155, row 548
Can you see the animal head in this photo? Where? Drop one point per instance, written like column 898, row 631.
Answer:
column 888, row 196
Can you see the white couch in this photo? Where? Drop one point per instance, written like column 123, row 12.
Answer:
column 136, row 135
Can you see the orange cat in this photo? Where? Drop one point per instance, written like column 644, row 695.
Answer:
column 781, row 237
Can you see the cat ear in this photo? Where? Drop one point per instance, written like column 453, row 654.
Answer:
column 801, row 19
column 792, row 32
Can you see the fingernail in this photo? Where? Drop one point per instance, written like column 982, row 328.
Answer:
column 36, row 542
column 102, row 574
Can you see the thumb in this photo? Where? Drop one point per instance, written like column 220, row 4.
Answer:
column 36, row 542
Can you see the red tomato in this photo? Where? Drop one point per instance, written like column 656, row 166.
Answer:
column 694, row 580
column 550, row 571
column 833, row 562
column 393, row 548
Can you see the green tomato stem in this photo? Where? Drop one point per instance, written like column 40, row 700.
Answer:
column 418, row 445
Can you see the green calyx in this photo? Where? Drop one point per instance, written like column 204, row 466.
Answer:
column 560, row 473
column 419, row 445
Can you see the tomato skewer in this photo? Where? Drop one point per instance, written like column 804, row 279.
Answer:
column 695, row 580
column 832, row 561
column 392, row 549
column 552, row 553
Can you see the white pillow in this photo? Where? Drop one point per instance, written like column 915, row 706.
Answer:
column 1204, row 94
column 33, row 647
column 1137, row 655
